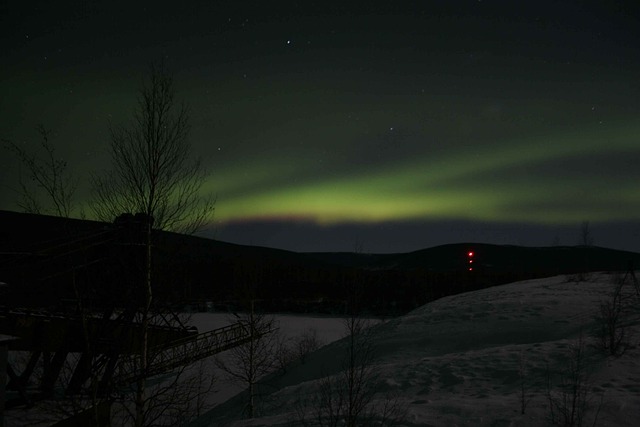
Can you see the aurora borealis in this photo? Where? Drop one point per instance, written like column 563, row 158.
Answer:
column 480, row 184
column 400, row 126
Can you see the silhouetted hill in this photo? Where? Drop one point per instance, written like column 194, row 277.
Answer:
column 23, row 232
column 500, row 258
column 46, row 260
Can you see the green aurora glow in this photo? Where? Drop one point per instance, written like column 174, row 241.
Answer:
column 471, row 186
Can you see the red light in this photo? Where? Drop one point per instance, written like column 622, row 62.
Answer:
column 470, row 254
column 470, row 268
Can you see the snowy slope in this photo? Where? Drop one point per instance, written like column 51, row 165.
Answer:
column 456, row 361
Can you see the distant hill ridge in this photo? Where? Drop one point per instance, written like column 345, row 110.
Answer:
column 197, row 268
column 22, row 231
column 491, row 257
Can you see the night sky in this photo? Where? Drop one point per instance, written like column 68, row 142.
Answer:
column 389, row 127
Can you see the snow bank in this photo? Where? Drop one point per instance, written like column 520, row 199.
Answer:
column 461, row 360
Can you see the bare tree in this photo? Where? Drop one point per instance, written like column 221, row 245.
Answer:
column 49, row 187
column 356, row 387
column 284, row 352
column 176, row 400
column 347, row 398
column 351, row 397
column 525, row 382
column 571, row 397
column 153, row 171
column 153, row 175
column 247, row 363
column 586, row 236
column 289, row 350
column 610, row 321
column 306, row 343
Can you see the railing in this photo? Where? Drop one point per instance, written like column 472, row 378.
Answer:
column 185, row 351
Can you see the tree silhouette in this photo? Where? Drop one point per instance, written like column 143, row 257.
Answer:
column 154, row 176
column 49, row 187
column 153, row 171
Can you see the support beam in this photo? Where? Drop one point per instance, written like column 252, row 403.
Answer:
column 50, row 375
column 18, row 387
column 24, row 377
column 4, row 370
column 81, row 374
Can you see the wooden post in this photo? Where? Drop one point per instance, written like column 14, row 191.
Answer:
column 4, row 350
column 50, row 375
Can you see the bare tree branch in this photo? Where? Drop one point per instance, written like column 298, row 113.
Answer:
column 50, row 187
column 152, row 168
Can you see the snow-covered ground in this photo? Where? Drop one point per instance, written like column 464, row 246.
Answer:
column 328, row 329
column 461, row 360
column 458, row 361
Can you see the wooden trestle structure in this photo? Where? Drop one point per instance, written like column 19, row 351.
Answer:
column 80, row 325
column 112, row 366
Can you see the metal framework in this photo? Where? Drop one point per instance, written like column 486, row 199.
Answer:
column 185, row 351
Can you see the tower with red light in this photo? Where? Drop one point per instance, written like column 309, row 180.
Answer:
column 470, row 255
